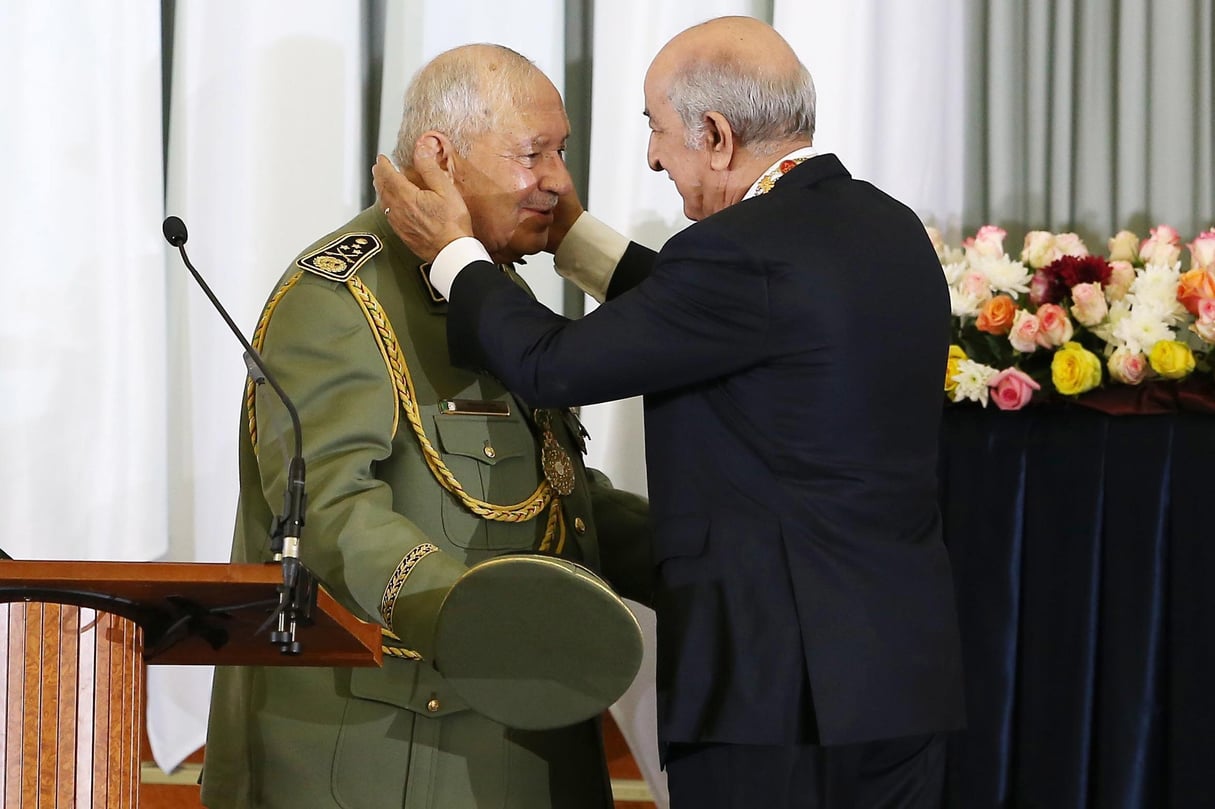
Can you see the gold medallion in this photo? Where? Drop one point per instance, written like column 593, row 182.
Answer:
column 558, row 468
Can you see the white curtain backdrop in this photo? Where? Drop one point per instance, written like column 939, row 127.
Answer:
column 890, row 81
column 265, row 155
column 82, row 424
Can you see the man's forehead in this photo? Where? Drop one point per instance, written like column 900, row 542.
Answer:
column 547, row 130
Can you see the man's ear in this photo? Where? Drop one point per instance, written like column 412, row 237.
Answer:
column 445, row 153
column 719, row 140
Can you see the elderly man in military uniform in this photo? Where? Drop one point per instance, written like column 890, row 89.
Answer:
column 420, row 474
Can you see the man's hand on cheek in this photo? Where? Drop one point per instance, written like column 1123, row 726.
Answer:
column 427, row 216
column 568, row 209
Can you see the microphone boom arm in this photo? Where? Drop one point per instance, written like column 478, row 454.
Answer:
column 297, row 594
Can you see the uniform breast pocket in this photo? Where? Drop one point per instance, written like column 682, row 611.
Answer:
column 493, row 462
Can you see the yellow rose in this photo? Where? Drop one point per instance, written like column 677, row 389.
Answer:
column 956, row 355
column 1171, row 359
column 1074, row 369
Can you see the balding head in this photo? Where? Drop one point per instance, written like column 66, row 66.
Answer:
column 745, row 70
column 462, row 92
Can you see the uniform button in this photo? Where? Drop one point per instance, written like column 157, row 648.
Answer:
column 580, row 525
column 433, row 706
column 489, row 450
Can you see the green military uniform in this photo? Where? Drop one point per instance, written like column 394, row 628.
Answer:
column 409, row 483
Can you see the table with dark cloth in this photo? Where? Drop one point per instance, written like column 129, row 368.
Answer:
column 1084, row 561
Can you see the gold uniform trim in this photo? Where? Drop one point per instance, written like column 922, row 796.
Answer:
column 398, row 371
column 259, row 337
column 390, row 644
column 397, row 580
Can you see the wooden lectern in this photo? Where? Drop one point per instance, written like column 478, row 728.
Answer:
column 75, row 637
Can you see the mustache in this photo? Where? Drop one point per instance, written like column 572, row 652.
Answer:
column 543, row 201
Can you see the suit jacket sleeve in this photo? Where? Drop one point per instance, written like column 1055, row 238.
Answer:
column 701, row 313
column 635, row 266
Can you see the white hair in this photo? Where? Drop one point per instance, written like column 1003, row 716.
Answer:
column 461, row 93
column 764, row 109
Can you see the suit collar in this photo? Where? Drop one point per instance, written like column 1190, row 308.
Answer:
column 811, row 172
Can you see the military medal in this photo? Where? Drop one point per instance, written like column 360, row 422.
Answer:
column 558, row 468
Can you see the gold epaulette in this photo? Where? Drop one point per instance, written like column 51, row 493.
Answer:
column 342, row 257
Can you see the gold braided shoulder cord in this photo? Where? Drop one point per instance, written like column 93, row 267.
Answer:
column 259, row 337
column 398, row 370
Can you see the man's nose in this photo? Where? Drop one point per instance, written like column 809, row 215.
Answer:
column 650, row 157
column 556, row 176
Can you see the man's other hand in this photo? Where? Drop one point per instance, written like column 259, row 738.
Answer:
column 428, row 216
column 568, row 209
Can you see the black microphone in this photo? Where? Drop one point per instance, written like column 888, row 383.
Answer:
column 298, row 590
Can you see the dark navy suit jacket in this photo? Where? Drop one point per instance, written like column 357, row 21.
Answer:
column 791, row 349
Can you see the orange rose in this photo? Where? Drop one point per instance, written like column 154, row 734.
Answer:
column 1194, row 286
column 996, row 316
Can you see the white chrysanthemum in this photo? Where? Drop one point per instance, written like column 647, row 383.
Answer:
column 1119, row 311
column 972, row 378
column 952, row 255
column 953, row 271
column 964, row 303
column 1154, row 292
column 1141, row 329
column 1004, row 274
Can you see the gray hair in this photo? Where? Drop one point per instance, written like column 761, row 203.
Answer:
column 764, row 109
column 461, row 93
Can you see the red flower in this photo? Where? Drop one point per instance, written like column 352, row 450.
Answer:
column 1072, row 270
column 1052, row 283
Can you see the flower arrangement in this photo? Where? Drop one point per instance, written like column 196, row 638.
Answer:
column 1060, row 320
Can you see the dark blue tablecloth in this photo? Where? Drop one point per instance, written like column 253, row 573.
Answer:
column 1084, row 559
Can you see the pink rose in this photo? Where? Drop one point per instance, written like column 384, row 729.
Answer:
column 1039, row 287
column 1054, row 326
column 1202, row 251
column 1069, row 244
column 987, row 242
column 1011, row 389
column 1129, row 368
column 938, row 242
column 1088, row 303
column 1162, row 247
column 1204, row 327
column 1124, row 246
column 1122, row 275
column 1024, row 333
column 976, row 286
column 1039, row 249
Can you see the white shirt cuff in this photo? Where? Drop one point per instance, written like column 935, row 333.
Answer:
column 588, row 255
column 451, row 259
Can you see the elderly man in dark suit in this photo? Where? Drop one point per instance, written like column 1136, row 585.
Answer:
column 790, row 345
